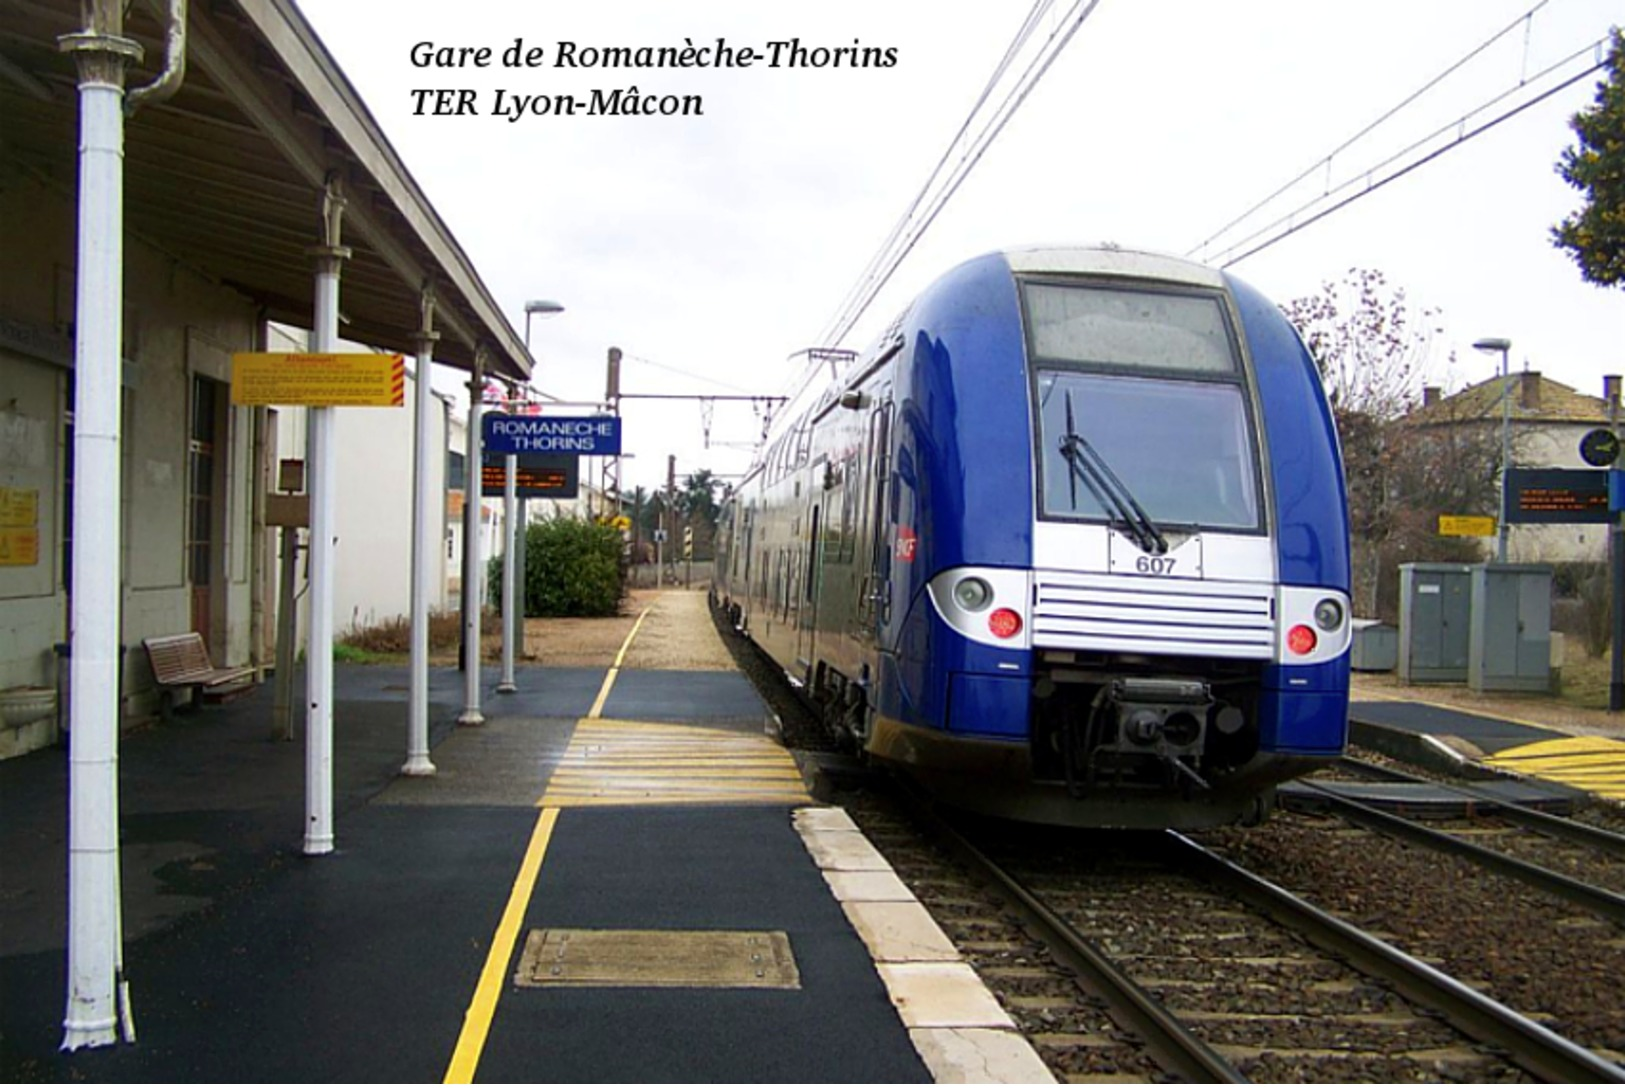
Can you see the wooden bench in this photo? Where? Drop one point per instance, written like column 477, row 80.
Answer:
column 182, row 661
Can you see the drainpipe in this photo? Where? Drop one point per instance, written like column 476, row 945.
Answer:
column 423, row 546
column 319, row 452
column 473, row 553
column 169, row 80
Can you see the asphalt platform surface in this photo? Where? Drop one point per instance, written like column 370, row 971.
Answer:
column 1488, row 734
column 249, row 962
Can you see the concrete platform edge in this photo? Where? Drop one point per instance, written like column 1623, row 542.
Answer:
column 1417, row 749
column 966, row 1037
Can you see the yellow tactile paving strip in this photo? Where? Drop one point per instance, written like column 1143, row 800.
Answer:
column 613, row 762
column 1596, row 764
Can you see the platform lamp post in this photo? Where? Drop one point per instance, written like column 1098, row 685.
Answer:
column 1491, row 344
column 1616, row 565
column 513, row 575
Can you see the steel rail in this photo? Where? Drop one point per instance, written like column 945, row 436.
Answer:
column 1534, row 819
column 1599, row 900
column 1167, row 1039
column 1536, row 1049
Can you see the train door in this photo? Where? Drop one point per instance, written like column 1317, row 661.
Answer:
column 874, row 597
column 739, row 582
column 837, row 567
column 812, row 559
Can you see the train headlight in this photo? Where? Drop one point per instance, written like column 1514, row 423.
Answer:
column 972, row 594
column 1328, row 615
column 1004, row 623
column 1301, row 639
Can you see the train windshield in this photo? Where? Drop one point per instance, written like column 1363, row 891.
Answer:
column 1150, row 387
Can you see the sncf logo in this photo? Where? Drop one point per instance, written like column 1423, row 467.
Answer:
column 907, row 544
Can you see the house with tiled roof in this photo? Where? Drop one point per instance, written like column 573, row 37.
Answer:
column 1547, row 421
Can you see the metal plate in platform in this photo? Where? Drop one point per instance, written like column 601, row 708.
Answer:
column 704, row 959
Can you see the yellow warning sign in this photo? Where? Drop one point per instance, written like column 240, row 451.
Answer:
column 1465, row 525
column 19, row 547
column 19, row 526
column 318, row 380
column 19, row 507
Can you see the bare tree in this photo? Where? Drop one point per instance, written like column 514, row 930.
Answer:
column 1371, row 349
column 1368, row 343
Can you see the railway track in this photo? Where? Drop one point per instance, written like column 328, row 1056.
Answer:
column 1387, row 961
column 1549, row 944
column 1579, row 862
column 1210, row 973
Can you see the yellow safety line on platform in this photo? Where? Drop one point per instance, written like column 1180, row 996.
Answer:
column 615, row 669
column 1596, row 764
column 465, row 1059
column 477, row 1020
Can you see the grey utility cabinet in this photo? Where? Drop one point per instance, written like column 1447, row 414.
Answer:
column 1510, row 647
column 1375, row 647
column 1435, row 601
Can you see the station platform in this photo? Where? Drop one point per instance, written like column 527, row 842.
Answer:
column 1529, row 763
column 617, row 877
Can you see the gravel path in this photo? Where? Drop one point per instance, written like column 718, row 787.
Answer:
column 677, row 633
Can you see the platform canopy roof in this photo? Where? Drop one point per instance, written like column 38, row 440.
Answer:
column 227, row 176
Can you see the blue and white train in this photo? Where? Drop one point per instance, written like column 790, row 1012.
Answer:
column 1068, row 544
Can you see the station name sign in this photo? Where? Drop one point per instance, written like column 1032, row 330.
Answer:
column 584, row 436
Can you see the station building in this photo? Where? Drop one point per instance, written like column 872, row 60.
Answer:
column 229, row 183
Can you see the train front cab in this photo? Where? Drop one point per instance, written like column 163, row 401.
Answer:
column 1130, row 685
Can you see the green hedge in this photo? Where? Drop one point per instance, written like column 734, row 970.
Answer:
column 572, row 568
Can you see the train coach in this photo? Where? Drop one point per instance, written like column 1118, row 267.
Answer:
column 1069, row 544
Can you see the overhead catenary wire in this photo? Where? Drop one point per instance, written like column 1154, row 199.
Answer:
column 684, row 373
column 1023, row 34
column 938, row 189
column 1396, row 165
column 1372, row 177
column 1325, row 160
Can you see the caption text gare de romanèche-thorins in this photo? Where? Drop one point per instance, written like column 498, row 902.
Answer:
column 628, row 101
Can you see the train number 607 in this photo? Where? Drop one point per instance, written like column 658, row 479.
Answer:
column 1154, row 564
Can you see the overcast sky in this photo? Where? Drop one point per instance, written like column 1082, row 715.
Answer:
column 712, row 248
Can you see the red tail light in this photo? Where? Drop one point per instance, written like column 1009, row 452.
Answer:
column 1004, row 623
column 1301, row 639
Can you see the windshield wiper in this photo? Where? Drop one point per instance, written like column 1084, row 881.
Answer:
column 1111, row 493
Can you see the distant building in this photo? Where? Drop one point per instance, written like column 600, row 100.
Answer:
column 374, row 512
column 1548, row 419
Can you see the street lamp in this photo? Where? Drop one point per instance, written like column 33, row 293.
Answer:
column 1616, row 567
column 1501, row 344
column 516, row 513
column 539, row 306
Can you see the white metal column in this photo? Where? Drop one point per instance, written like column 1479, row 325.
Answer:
column 424, row 544
column 96, row 991
column 473, row 552
column 510, row 592
column 323, row 486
